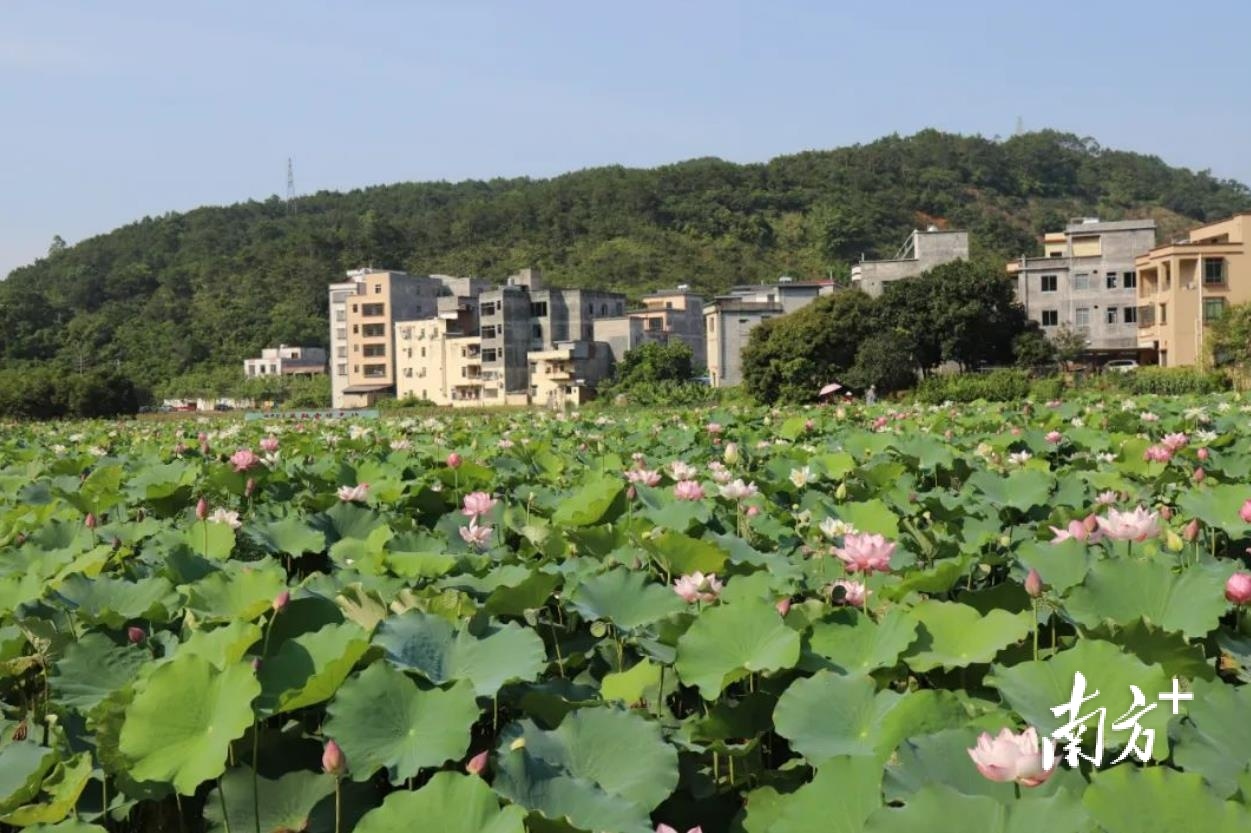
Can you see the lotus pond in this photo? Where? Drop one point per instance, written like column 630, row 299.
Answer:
column 729, row 620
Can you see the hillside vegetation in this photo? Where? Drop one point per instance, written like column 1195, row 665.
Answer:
column 204, row 289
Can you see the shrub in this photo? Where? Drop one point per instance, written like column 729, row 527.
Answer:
column 1043, row 390
column 1172, row 381
column 996, row 386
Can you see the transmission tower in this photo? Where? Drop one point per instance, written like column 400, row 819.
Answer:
column 290, row 186
column 1020, row 126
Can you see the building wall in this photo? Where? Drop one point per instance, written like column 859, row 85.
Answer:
column 928, row 249
column 339, row 347
column 728, row 330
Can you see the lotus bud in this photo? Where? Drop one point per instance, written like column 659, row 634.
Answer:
column 1203, row 454
column 1173, row 541
column 519, row 743
column 753, row 511
column 135, row 634
column 1238, row 588
column 477, row 764
column 1199, row 475
column 809, row 425
column 1192, row 530
column 1090, row 522
column 201, row 509
column 631, row 493
column 1245, row 512
column 202, row 438
column 783, row 606
column 1166, row 512
column 256, row 665
column 281, row 601
column 332, row 760
column 454, row 460
column 249, row 488
column 731, row 455
column 1033, row 584
column 90, row 521
column 841, row 491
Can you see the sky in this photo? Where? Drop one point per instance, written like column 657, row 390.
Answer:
column 112, row 111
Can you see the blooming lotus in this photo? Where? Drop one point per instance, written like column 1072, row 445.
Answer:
column 1054, row 437
column 476, row 536
column 681, row 471
column 269, row 444
column 1138, row 525
column 801, row 477
column 476, row 504
column 1157, row 454
column 1075, row 531
column 738, row 490
column 1019, row 458
column 644, row 476
column 1011, row 757
column 688, row 490
column 359, row 492
column 244, row 459
column 1105, row 498
column 225, row 516
column 714, row 428
column 1173, row 442
column 697, row 587
column 833, row 528
column 863, row 553
column 854, row 593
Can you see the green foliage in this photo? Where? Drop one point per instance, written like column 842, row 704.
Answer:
column 653, row 362
column 47, row 392
column 210, row 287
column 1228, row 339
column 996, row 386
column 1171, row 381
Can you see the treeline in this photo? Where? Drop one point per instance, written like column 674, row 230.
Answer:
column 210, row 287
column 47, row 392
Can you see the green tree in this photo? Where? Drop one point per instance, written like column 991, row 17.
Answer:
column 1228, row 340
column 883, row 361
column 1070, row 345
column 653, row 362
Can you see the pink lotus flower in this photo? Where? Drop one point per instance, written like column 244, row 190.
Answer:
column 453, row 460
column 1138, row 525
column 688, row 490
column 1202, row 454
column 1199, row 476
column 1076, row 531
column 1238, row 588
column 1191, row 531
column 477, row 764
column 714, row 428
column 1033, row 583
column 135, row 635
column 270, row 444
column 1011, row 757
column 863, row 553
column 201, row 509
column 854, row 593
column 476, row 536
column 1173, row 442
column 1105, row 498
column 697, row 587
column 1245, row 512
column 644, row 476
column 738, row 490
column 357, row 493
column 90, row 521
column 281, row 601
column 1054, row 437
column 682, row 471
column 476, row 504
column 332, row 759
column 1157, row 454
column 244, row 459
column 664, row 828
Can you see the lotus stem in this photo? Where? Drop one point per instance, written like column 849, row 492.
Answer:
column 338, row 803
column 221, row 796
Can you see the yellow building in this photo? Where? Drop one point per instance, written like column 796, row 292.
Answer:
column 434, row 363
column 1187, row 284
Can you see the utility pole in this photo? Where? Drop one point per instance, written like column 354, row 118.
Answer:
column 290, row 186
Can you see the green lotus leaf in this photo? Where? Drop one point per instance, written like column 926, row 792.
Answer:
column 93, row 668
column 309, row 668
column 590, row 503
column 1061, row 566
column 953, row 635
column 1122, row 590
column 160, row 480
column 1217, row 506
column 727, row 643
column 347, row 520
column 851, row 643
column 661, row 508
column 870, row 516
column 429, row 645
column 382, row 720
column 1156, row 646
column 224, row 645
column 626, row 598
column 682, row 554
column 179, row 726
column 982, row 814
column 1033, row 689
column 448, row 803
column 214, row 541
column 67, row 826
column 114, row 601
column 59, row 794
column 1022, row 489
column 285, row 803
column 1214, row 738
column 629, row 686
column 828, row 715
column 601, row 769
column 515, row 599
column 857, row 781
column 22, row 769
column 238, row 591
column 1126, row 799
column 366, row 555
column 940, row 758
column 288, row 536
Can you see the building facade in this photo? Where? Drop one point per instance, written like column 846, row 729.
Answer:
column 730, row 318
column 1185, row 285
column 667, row 316
column 922, row 251
column 1087, row 281
column 285, row 360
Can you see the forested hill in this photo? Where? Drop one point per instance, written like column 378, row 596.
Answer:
column 213, row 285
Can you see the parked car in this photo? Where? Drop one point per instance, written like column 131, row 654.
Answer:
column 222, row 406
column 1120, row 366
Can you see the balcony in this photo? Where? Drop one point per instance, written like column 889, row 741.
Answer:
column 1146, row 317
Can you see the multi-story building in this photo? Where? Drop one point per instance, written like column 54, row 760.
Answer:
column 435, row 361
column 285, row 360
column 667, row 316
column 566, row 373
column 922, row 251
column 1185, row 285
column 1086, row 281
column 730, row 318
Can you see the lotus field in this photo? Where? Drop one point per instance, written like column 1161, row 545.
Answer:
column 987, row 618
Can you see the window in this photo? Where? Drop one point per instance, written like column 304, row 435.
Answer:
column 488, row 309
column 356, row 308
column 342, row 369
column 1213, row 308
column 1129, row 280
column 1050, row 318
column 356, row 328
column 1213, row 271
column 340, row 314
column 375, row 371
column 340, row 333
column 1111, row 315
column 603, row 309
column 588, row 333
column 377, row 289
column 590, row 309
column 373, row 310
column 712, row 324
column 1163, row 313
column 423, row 352
column 1110, row 280
column 1081, row 280
column 654, row 325
column 488, row 356
column 1081, row 317
column 538, row 309
column 356, row 368
column 536, row 331
column 668, row 304
column 1056, row 254
column 620, row 308
column 488, row 331
column 1049, row 283
column 375, row 350
column 1131, row 315
column 408, row 373
column 374, row 330
column 356, row 348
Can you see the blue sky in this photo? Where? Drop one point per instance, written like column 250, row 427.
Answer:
column 113, row 110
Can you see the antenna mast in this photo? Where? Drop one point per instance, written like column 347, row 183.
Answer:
column 290, row 186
